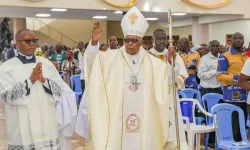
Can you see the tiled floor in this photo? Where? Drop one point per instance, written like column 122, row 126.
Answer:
column 77, row 142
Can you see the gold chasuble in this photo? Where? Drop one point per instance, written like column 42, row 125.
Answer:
column 120, row 118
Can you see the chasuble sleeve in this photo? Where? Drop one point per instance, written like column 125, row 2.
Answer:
column 180, row 72
column 54, row 83
column 161, row 93
column 90, row 55
column 11, row 92
column 163, row 108
column 182, row 68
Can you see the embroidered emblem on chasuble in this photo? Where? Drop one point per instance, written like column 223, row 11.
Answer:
column 134, row 85
column 133, row 124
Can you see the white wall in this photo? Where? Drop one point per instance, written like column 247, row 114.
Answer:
column 219, row 30
column 66, row 31
column 114, row 29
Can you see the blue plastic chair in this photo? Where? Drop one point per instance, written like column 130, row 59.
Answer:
column 62, row 75
column 222, row 114
column 192, row 93
column 190, row 126
column 209, row 100
column 76, row 82
column 195, row 94
column 248, row 124
column 181, row 94
column 199, row 87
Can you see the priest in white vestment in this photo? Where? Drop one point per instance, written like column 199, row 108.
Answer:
column 127, row 92
column 30, row 86
column 113, row 43
column 159, row 50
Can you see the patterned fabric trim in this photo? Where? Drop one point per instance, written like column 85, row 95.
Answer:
column 55, row 88
column 15, row 94
column 49, row 145
column 47, row 90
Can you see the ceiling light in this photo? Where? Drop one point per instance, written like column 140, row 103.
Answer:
column 43, row 15
column 178, row 14
column 151, row 18
column 58, row 9
column 100, row 17
column 118, row 12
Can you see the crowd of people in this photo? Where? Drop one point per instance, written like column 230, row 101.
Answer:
column 209, row 68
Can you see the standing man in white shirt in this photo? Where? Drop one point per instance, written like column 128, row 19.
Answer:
column 80, row 56
column 208, row 68
column 207, row 73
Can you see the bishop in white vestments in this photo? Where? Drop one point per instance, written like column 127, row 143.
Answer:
column 159, row 50
column 127, row 92
column 30, row 86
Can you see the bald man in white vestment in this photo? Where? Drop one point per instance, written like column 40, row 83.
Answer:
column 127, row 92
column 160, row 51
column 30, row 86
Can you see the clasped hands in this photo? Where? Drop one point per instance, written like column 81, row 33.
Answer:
column 37, row 75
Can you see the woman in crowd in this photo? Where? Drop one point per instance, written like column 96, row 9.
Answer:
column 69, row 67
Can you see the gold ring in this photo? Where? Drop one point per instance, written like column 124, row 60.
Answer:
column 130, row 3
column 219, row 4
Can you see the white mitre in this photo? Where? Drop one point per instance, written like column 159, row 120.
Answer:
column 134, row 23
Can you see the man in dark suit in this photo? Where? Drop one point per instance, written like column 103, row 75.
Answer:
column 11, row 52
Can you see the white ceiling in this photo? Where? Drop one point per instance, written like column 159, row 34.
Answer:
column 22, row 12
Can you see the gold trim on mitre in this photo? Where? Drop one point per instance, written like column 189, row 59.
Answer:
column 128, row 4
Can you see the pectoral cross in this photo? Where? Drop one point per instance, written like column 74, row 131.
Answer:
column 134, row 85
column 133, row 18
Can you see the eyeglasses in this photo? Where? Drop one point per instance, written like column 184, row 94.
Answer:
column 28, row 41
column 127, row 40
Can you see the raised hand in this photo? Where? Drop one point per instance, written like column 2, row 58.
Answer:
column 96, row 33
